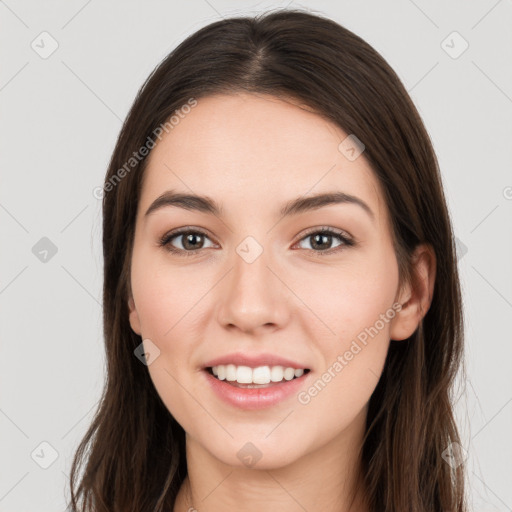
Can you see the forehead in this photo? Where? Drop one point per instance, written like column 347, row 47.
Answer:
column 248, row 149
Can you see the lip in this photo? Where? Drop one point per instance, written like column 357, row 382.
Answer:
column 255, row 398
column 253, row 361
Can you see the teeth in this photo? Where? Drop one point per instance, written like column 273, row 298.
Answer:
column 289, row 373
column 230, row 372
column 243, row 375
column 259, row 375
column 277, row 373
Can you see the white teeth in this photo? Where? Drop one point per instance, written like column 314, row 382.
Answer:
column 230, row 372
column 243, row 375
column 289, row 373
column 259, row 375
column 277, row 373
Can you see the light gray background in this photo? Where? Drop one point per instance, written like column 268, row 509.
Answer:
column 60, row 117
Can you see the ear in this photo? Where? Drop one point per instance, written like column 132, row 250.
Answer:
column 134, row 316
column 416, row 296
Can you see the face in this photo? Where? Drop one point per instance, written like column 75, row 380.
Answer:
column 313, row 288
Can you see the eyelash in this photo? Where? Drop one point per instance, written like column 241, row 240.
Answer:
column 325, row 230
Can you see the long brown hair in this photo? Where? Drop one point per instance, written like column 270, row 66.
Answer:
column 134, row 451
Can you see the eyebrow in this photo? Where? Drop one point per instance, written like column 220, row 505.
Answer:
column 205, row 204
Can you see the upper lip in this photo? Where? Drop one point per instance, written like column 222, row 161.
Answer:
column 254, row 361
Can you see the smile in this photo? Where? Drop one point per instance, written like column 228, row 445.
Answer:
column 261, row 376
column 277, row 385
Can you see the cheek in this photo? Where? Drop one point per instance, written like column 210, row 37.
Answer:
column 350, row 298
column 352, row 361
column 167, row 297
column 354, row 339
column 167, row 302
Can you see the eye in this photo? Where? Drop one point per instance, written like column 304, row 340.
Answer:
column 191, row 241
column 321, row 240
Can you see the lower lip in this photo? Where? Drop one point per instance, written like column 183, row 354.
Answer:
column 255, row 398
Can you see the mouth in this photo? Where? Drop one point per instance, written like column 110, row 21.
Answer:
column 255, row 381
column 246, row 377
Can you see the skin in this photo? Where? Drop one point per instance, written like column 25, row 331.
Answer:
column 251, row 154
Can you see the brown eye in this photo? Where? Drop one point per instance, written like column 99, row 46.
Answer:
column 189, row 240
column 321, row 241
column 192, row 241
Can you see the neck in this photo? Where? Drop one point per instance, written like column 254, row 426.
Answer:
column 327, row 478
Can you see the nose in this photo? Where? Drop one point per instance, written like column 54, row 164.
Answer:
column 253, row 296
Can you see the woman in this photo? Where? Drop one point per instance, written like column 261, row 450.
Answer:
column 282, row 310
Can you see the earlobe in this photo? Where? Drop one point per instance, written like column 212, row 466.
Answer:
column 416, row 297
column 134, row 316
